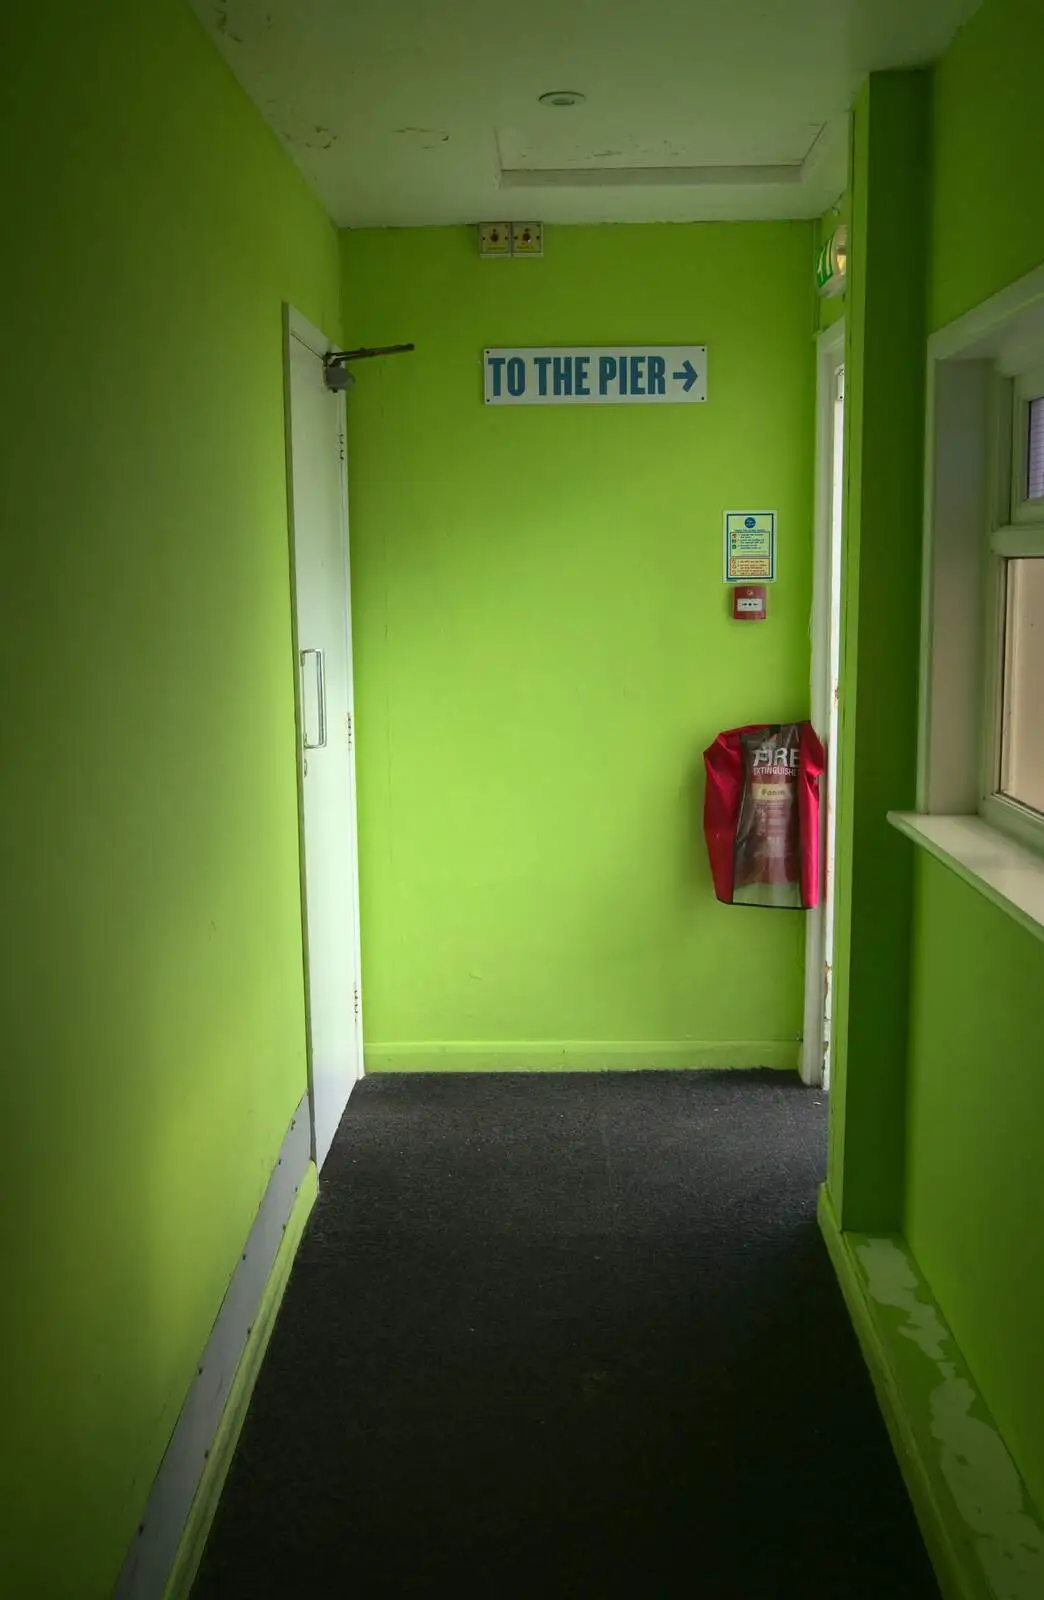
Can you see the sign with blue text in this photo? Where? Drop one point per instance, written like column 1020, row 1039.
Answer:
column 596, row 375
column 750, row 546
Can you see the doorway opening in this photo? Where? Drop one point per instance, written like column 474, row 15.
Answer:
column 817, row 1046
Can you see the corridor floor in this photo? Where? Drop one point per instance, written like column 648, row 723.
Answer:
column 567, row 1335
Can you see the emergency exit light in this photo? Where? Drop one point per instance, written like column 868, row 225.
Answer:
column 832, row 264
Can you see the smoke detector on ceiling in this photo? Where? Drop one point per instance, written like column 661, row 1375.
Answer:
column 562, row 97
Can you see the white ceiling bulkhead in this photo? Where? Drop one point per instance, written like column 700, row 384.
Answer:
column 420, row 112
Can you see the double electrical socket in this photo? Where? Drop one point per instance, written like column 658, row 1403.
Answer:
column 511, row 239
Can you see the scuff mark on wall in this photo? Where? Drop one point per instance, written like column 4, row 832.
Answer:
column 297, row 131
column 221, row 23
column 236, row 19
column 427, row 138
column 312, row 139
column 973, row 1459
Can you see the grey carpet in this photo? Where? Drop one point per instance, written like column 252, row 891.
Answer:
column 567, row 1335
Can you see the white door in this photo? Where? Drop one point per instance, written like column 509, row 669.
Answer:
column 826, row 670
column 321, row 590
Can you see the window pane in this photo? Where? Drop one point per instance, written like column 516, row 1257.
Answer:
column 1035, row 454
column 1022, row 765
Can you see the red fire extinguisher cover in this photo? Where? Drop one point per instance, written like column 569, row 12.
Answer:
column 761, row 814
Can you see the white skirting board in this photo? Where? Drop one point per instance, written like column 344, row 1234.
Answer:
column 150, row 1559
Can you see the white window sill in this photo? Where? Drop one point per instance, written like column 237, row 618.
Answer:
column 1005, row 872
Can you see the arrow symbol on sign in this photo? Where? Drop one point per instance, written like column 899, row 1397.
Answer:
column 688, row 374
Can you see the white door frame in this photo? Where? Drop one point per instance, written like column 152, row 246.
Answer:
column 830, row 354
column 296, row 326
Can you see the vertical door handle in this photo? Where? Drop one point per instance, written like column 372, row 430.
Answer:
column 320, row 699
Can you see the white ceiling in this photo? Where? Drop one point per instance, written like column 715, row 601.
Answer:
column 413, row 112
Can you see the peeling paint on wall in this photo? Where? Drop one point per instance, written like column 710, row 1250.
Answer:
column 892, row 1282
column 324, row 139
column 237, row 20
column 295, row 130
column 988, row 1491
column 427, row 138
column 973, row 1459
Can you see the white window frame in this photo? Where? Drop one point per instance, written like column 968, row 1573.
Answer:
column 1016, row 528
column 1028, row 385
column 978, row 368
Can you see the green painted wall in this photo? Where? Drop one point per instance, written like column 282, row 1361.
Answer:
column 975, row 1190
column 153, row 1021
column 880, row 601
column 987, row 223
column 975, row 1194
column 543, row 651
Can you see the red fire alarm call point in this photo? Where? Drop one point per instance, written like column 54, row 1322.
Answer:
column 749, row 602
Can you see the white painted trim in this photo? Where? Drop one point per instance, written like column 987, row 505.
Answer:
column 956, row 513
column 648, row 177
column 978, row 333
column 1009, row 816
column 299, row 327
column 1024, row 539
column 1015, row 530
column 966, row 507
column 342, row 401
column 830, row 351
column 151, row 1557
column 1027, row 385
column 1008, row 874
column 922, row 781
